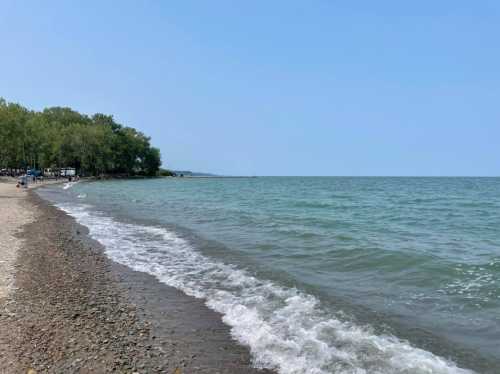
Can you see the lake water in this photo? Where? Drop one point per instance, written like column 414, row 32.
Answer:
column 319, row 274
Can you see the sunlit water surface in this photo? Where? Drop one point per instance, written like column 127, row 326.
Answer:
column 319, row 275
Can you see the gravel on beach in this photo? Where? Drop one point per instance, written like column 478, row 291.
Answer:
column 75, row 311
column 12, row 218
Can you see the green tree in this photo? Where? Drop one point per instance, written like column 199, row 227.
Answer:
column 62, row 137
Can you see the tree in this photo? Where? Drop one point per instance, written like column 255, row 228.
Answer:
column 62, row 137
column 152, row 161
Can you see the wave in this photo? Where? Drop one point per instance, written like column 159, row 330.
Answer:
column 68, row 185
column 284, row 328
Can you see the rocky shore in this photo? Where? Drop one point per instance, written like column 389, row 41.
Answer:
column 72, row 310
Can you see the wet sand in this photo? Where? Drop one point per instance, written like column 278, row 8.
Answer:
column 71, row 309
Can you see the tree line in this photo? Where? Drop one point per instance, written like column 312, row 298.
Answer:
column 60, row 137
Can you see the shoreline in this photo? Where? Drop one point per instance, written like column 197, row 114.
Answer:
column 167, row 327
column 75, row 310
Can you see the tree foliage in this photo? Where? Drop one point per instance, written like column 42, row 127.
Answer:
column 61, row 137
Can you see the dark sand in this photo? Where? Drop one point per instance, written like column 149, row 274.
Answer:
column 74, row 310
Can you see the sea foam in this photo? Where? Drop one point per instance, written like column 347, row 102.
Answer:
column 284, row 328
column 68, row 185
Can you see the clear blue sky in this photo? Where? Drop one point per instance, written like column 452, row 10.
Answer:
column 273, row 87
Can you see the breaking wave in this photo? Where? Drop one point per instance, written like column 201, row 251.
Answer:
column 284, row 328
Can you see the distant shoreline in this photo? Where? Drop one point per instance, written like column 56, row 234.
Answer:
column 211, row 176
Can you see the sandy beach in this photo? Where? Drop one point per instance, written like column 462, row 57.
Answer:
column 13, row 215
column 66, row 308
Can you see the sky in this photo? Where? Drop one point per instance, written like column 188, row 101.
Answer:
column 272, row 87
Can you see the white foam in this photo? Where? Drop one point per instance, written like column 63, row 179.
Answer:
column 284, row 328
column 68, row 185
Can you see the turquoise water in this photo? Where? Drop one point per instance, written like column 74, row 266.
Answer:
column 323, row 274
